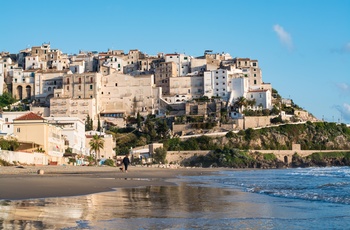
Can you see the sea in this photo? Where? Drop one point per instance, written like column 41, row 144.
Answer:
column 298, row 198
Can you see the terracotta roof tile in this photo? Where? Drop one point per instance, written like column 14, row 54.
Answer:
column 29, row 116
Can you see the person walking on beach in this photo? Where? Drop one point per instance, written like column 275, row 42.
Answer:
column 126, row 162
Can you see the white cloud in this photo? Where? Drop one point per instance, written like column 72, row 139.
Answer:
column 344, row 111
column 343, row 87
column 284, row 36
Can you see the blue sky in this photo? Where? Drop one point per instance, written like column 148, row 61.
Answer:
column 303, row 47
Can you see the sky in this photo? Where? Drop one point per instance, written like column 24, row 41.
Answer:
column 303, row 47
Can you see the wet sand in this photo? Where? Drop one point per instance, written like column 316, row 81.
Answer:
column 59, row 181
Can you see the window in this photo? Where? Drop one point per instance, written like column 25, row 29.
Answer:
column 79, row 80
column 49, row 89
column 90, row 87
column 91, row 80
column 254, row 75
column 254, row 82
column 67, row 87
column 18, row 130
column 254, row 63
column 67, row 80
column 251, row 96
column 6, row 119
column 116, row 84
column 79, row 87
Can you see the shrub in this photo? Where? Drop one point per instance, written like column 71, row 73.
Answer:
column 269, row 157
column 109, row 162
column 159, row 155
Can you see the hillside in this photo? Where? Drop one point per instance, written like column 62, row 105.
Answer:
column 311, row 136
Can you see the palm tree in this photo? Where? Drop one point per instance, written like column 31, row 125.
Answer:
column 240, row 103
column 96, row 144
column 251, row 103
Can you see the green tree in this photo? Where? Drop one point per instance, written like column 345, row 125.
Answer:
column 159, row 155
column 9, row 144
column 240, row 103
column 162, row 128
column 96, row 144
column 88, row 123
column 6, row 99
column 99, row 124
column 174, row 144
column 138, row 120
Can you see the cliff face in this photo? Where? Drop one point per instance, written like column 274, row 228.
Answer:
column 311, row 136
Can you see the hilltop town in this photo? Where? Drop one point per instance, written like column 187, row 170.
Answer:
column 58, row 94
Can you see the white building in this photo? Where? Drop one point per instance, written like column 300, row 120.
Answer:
column 73, row 130
column 182, row 61
column 6, row 121
column 262, row 98
column 216, row 83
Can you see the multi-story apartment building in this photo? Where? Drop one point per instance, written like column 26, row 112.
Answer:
column 34, row 132
column 90, row 60
column 73, row 130
column 45, row 82
column 112, row 61
column 78, row 97
column 163, row 73
column 122, row 95
column 184, row 88
column 217, row 84
column 23, row 83
column 182, row 62
column 6, row 67
column 262, row 98
column 198, row 65
column 251, row 70
column 46, row 55
column 214, row 60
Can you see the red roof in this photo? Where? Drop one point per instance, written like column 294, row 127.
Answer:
column 29, row 116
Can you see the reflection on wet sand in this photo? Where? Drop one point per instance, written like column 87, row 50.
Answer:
column 149, row 202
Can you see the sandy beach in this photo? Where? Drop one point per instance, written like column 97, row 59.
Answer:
column 59, row 181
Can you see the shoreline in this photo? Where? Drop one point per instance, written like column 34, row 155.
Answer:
column 19, row 183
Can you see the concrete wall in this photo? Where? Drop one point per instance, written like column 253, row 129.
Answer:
column 26, row 158
column 255, row 122
column 181, row 157
column 286, row 155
